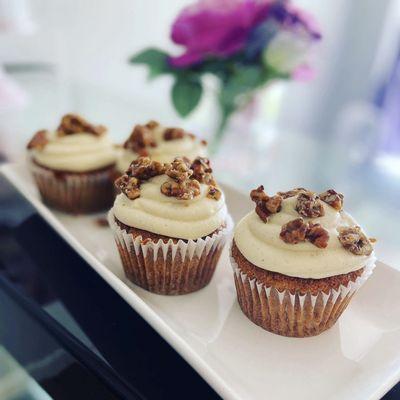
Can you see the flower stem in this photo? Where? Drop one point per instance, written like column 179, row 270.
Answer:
column 220, row 131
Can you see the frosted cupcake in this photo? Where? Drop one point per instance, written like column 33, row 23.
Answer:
column 298, row 259
column 160, row 144
column 74, row 166
column 170, row 223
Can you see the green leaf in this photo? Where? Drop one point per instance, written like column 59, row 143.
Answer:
column 156, row 61
column 186, row 94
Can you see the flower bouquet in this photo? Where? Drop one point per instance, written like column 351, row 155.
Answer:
column 244, row 43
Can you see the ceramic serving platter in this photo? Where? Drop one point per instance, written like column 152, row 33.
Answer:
column 359, row 358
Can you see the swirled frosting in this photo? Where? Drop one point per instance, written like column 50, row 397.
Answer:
column 79, row 152
column 165, row 150
column 157, row 213
column 260, row 243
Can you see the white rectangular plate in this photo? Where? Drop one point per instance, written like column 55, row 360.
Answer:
column 359, row 358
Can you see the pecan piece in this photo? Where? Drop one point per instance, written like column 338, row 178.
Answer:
column 308, row 205
column 355, row 241
column 152, row 124
column 185, row 190
column 71, row 123
column 140, row 138
column 144, row 168
column 317, row 235
column 292, row 193
column 294, row 231
column 214, row 193
column 179, row 170
column 202, row 171
column 39, row 140
column 265, row 205
column 333, row 198
column 173, row 133
column 129, row 185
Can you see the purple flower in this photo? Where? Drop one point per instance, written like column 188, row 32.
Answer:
column 215, row 28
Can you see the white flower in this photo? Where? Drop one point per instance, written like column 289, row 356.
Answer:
column 287, row 51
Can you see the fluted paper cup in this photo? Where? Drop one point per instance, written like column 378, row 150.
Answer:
column 293, row 314
column 173, row 267
column 75, row 193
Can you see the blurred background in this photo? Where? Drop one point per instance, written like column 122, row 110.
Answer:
column 339, row 130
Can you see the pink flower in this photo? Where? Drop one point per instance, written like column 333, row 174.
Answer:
column 215, row 28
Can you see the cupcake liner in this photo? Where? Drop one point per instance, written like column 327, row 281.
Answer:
column 169, row 268
column 76, row 193
column 295, row 315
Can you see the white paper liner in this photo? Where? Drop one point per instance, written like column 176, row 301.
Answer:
column 288, row 314
column 75, row 193
column 168, row 267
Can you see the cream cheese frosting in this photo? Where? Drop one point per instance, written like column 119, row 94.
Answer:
column 261, row 244
column 169, row 216
column 166, row 150
column 79, row 152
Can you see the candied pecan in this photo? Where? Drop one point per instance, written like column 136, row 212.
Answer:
column 258, row 194
column 291, row 193
column 129, row 185
column 317, row 235
column 174, row 133
column 355, row 241
column 39, row 140
column 144, row 168
column 265, row 205
column 185, row 190
column 309, row 205
column 140, row 138
column 71, row 123
column 202, row 171
column 214, row 193
column 294, row 231
column 333, row 198
column 152, row 124
column 179, row 170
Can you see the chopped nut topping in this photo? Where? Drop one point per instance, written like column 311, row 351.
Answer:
column 214, row 193
column 102, row 222
column 144, row 168
column 179, row 170
column 140, row 138
column 204, row 142
column 39, row 140
column 308, row 205
column 174, row 133
column 294, row 231
column 297, row 231
column 128, row 185
column 71, row 123
column 202, row 171
column 152, row 124
column 185, row 190
column 265, row 205
column 292, row 193
column 355, row 241
column 332, row 198
column 317, row 235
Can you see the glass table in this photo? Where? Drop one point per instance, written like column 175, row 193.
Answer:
column 64, row 333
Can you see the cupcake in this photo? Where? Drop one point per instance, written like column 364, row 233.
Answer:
column 160, row 144
column 73, row 167
column 170, row 224
column 298, row 259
